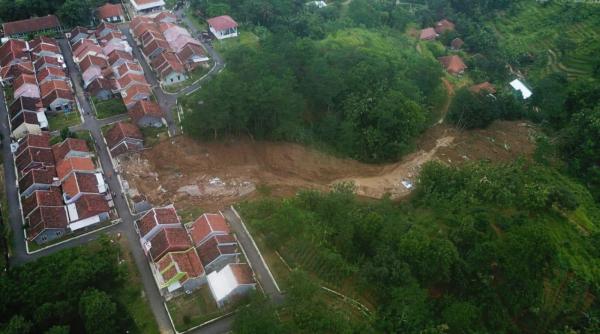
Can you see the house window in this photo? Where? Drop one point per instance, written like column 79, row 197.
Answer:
column 179, row 77
column 171, row 79
column 44, row 237
column 58, row 233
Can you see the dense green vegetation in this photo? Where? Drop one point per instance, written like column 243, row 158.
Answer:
column 70, row 12
column 479, row 249
column 80, row 290
column 323, row 80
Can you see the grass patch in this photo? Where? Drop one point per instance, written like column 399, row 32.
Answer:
column 245, row 38
column 60, row 121
column 153, row 136
column 194, row 309
column 191, row 214
column 108, row 108
column 133, row 297
column 193, row 76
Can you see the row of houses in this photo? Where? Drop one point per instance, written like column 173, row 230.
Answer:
column 19, row 29
column 109, row 69
column 185, row 257
column 34, row 75
column 169, row 48
column 62, row 189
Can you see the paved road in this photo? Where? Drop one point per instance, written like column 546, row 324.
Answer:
column 166, row 101
column 260, row 268
column 11, row 191
column 126, row 227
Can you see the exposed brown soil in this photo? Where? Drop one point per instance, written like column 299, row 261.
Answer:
column 211, row 176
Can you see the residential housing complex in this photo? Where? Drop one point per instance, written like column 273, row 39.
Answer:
column 36, row 73
column 185, row 257
column 62, row 190
column 109, row 69
column 169, row 49
column 21, row 28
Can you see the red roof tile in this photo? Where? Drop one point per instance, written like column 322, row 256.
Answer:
column 135, row 93
column 50, row 197
column 155, row 217
column 165, row 17
column 211, row 250
column 46, row 60
column 89, row 205
column 131, row 78
column 121, row 131
column 119, row 54
column 427, row 34
column 208, row 224
column 57, row 94
column 80, row 183
column 167, row 63
column 15, row 70
column 145, row 108
column 30, row 25
column 52, row 85
column 46, row 217
column 109, row 10
column 169, row 240
column 453, row 64
column 12, row 49
column 484, row 86
column 129, row 67
column 66, row 166
column 51, row 72
column 186, row 262
column 222, row 22
column 444, row 25
column 24, row 79
column 156, row 46
column 243, row 273
column 37, row 176
column 25, row 104
column 91, row 60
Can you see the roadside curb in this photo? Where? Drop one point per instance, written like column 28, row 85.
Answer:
column 256, row 247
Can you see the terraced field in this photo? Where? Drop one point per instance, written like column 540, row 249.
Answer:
column 536, row 28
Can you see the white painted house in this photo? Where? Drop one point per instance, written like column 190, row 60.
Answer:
column 223, row 27
column 234, row 280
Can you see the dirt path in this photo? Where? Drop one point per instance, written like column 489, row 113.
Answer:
column 450, row 91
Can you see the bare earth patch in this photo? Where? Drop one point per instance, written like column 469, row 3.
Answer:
column 212, row 175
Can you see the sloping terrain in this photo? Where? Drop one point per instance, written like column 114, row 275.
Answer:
column 212, row 175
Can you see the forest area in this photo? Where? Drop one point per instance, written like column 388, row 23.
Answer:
column 482, row 248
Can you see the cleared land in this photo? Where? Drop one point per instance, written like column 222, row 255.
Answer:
column 210, row 176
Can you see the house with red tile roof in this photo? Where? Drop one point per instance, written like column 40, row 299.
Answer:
column 46, row 223
column 77, row 184
column 223, row 27
column 105, row 28
column 218, row 251
column 68, row 166
column 21, row 28
column 172, row 239
column 26, row 85
column 43, row 46
column 155, row 48
column 178, row 270
column 38, row 198
column 443, row 26
column 110, row 13
column 38, row 179
column 10, row 72
column 86, row 47
column 51, row 73
column 88, row 210
column 453, row 64
column 165, row 17
column 428, row 34
column 207, row 226
column 155, row 220
column 146, row 113
column 79, row 33
column 58, row 100
column 150, row 35
column 101, row 88
column 169, row 68
column 123, row 138
column 231, row 282
column 52, row 85
column 136, row 93
column 42, row 141
column 172, row 31
column 34, row 158
column 127, row 68
column 140, row 24
column 23, row 104
column 92, row 67
column 147, row 6
column 130, row 79
column 71, row 147
column 44, row 62
column 192, row 56
column 457, row 44
column 13, row 51
column 28, row 122
column 117, row 57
